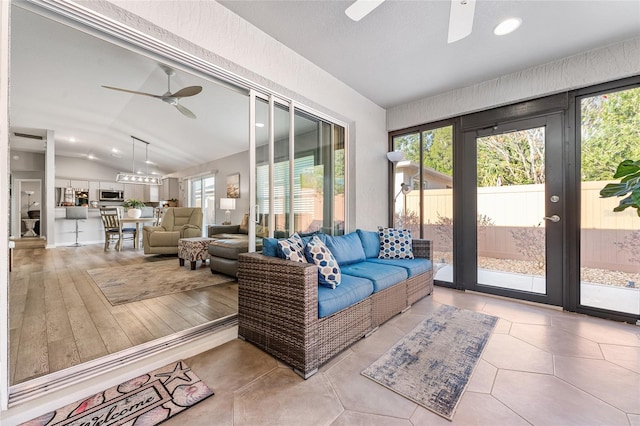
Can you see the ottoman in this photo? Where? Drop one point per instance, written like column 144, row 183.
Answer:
column 193, row 249
column 223, row 254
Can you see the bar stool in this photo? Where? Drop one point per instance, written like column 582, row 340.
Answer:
column 77, row 213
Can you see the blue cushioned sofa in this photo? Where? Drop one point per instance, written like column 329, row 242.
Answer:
column 283, row 310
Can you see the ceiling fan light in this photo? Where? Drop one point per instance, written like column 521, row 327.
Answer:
column 361, row 8
column 507, row 26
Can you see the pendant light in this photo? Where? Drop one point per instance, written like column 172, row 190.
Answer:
column 138, row 178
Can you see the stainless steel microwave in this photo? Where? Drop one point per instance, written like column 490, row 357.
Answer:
column 111, row 195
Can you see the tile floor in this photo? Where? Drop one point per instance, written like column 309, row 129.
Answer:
column 540, row 367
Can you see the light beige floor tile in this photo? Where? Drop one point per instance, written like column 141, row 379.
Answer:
column 482, row 409
column 281, row 397
column 519, row 313
column 380, row 340
column 624, row 356
column 232, row 365
column 547, row 400
column 483, row 378
column 352, row 418
column 599, row 330
column 634, row 419
column 217, row 410
column 556, row 341
column 359, row 393
column 503, row 326
column 459, row 299
column 507, row 352
column 602, row 379
column 407, row 322
column 425, row 306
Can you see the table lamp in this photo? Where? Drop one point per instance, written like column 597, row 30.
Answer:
column 227, row 204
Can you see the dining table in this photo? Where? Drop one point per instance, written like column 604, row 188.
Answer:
column 137, row 221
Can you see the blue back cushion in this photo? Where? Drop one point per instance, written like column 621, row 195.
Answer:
column 346, row 249
column 270, row 247
column 370, row 242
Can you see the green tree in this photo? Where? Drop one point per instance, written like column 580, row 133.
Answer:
column 610, row 132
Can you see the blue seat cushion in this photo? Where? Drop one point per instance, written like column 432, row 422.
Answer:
column 347, row 249
column 351, row 290
column 382, row 276
column 414, row 267
column 370, row 242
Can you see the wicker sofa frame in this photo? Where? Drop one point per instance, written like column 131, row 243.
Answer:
column 278, row 309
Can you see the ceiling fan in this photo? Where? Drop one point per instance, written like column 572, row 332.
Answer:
column 460, row 15
column 168, row 97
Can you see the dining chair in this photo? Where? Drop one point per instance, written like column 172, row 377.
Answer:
column 111, row 221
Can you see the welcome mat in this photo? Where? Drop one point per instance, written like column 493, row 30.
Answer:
column 433, row 363
column 146, row 400
column 131, row 283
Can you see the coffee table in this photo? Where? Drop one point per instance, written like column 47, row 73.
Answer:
column 193, row 249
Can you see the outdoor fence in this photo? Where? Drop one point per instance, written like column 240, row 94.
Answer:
column 609, row 240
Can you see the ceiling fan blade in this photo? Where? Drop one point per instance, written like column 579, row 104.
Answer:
column 460, row 19
column 361, row 8
column 185, row 111
column 187, row 91
column 133, row 91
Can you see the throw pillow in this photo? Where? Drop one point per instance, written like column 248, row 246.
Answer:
column 395, row 243
column 328, row 269
column 292, row 249
column 244, row 225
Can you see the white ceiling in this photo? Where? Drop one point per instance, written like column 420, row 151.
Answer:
column 396, row 54
column 399, row 52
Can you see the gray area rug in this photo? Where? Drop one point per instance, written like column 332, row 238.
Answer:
column 131, row 283
column 433, row 363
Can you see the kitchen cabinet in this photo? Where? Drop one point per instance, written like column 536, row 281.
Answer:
column 170, row 189
column 111, row 185
column 79, row 184
column 146, row 193
column 94, row 191
column 63, row 183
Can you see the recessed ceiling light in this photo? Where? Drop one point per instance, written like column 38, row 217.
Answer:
column 115, row 150
column 91, row 157
column 507, row 26
column 72, row 139
column 259, row 124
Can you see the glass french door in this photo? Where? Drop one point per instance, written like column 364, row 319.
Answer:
column 203, row 195
column 609, row 129
column 515, row 237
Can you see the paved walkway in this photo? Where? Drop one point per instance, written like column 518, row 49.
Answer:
column 615, row 298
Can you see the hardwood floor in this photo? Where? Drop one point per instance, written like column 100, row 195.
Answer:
column 59, row 318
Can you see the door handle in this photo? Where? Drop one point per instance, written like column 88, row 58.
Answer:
column 554, row 218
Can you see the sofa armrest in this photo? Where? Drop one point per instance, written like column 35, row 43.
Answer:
column 190, row 231
column 149, row 228
column 278, row 307
column 423, row 248
column 223, row 229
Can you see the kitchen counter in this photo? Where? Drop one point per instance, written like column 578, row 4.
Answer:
column 90, row 230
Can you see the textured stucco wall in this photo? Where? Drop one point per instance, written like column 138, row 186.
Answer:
column 592, row 67
column 212, row 32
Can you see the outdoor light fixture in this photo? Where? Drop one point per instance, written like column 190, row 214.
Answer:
column 227, row 204
column 138, row 178
column 395, row 156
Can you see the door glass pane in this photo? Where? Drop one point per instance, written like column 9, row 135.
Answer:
column 510, row 210
column 406, row 184
column 609, row 241
column 281, row 189
column 437, row 185
column 209, row 200
column 338, row 180
column 262, row 160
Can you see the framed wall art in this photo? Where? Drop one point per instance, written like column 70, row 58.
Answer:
column 233, row 186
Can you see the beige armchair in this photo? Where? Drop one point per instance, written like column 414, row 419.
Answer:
column 177, row 222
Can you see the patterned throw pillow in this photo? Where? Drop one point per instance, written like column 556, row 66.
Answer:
column 293, row 248
column 395, row 243
column 328, row 269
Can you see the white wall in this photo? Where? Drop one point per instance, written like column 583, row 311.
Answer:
column 239, row 47
column 592, row 67
column 223, row 167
